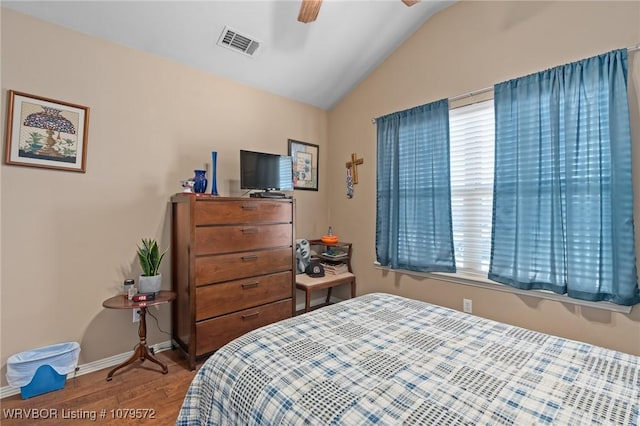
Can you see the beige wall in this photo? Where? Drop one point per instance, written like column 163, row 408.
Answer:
column 69, row 239
column 470, row 46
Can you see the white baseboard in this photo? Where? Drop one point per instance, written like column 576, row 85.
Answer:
column 114, row 360
column 91, row 367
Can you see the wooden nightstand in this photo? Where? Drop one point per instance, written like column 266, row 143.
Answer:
column 142, row 351
column 334, row 254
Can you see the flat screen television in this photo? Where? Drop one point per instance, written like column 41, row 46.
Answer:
column 266, row 172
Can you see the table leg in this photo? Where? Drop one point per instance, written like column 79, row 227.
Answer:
column 307, row 300
column 142, row 351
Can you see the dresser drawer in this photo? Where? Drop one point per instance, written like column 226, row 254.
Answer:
column 250, row 211
column 234, row 238
column 227, row 267
column 218, row 299
column 214, row 333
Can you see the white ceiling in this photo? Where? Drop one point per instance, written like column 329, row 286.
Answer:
column 316, row 63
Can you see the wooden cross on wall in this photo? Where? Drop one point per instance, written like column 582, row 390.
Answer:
column 353, row 166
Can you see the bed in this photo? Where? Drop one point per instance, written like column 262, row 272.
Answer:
column 388, row 360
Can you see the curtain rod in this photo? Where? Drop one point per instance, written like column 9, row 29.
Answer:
column 488, row 89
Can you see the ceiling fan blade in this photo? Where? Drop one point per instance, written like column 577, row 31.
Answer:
column 410, row 2
column 309, row 10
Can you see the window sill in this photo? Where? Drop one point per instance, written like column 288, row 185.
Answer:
column 476, row 281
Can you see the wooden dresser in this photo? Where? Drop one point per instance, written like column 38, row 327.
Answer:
column 233, row 268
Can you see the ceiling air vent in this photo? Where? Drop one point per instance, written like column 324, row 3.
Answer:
column 231, row 39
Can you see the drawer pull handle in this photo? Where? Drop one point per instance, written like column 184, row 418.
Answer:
column 255, row 314
column 250, row 231
column 249, row 285
column 245, row 207
column 252, row 257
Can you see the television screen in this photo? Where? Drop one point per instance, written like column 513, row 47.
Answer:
column 260, row 170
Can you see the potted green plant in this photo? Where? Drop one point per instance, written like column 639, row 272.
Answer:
column 150, row 258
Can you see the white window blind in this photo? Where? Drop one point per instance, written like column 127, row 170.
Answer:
column 472, row 158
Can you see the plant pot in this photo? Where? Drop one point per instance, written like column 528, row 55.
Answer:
column 150, row 284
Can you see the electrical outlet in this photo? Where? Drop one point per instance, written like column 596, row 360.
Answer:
column 136, row 315
column 467, row 305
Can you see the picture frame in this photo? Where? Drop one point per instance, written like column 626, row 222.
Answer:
column 46, row 133
column 305, row 164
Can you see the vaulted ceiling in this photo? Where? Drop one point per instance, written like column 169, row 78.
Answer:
column 316, row 63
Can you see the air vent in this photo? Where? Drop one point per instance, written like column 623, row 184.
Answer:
column 233, row 40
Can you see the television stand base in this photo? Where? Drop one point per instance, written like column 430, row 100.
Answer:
column 267, row 194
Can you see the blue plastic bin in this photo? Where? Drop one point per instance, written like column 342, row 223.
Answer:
column 43, row 369
column 45, row 380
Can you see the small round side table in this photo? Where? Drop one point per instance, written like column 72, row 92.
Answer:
column 142, row 351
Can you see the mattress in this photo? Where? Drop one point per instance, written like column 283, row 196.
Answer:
column 388, row 360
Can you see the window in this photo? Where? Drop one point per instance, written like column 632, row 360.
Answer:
column 547, row 165
column 472, row 158
column 472, row 164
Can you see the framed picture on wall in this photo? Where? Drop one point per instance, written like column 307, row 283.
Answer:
column 46, row 133
column 305, row 164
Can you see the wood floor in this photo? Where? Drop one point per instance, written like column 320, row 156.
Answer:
column 139, row 386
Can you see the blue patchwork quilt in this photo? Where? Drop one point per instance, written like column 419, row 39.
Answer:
column 381, row 359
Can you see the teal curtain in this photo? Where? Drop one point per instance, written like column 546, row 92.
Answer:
column 563, row 200
column 413, row 205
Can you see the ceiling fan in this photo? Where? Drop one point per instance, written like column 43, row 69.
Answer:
column 309, row 9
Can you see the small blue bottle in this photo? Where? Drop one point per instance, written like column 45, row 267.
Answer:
column 214, row 185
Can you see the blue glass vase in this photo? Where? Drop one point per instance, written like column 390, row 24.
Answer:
column 199, row 181
column 214, row 160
